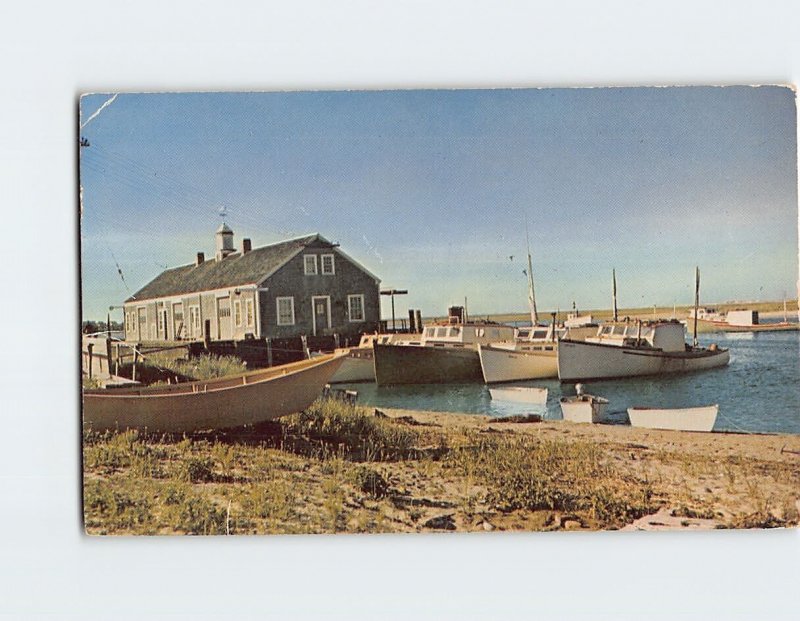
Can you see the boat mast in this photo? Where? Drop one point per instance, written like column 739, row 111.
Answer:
column 531, row 294
column 696, row 302
column 614, row 282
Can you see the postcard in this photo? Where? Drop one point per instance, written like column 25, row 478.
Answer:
column 410, row 311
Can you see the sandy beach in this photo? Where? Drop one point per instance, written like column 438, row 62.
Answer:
column 343, row 469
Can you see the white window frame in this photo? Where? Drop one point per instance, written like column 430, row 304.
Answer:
column 278, row 301
column 249, row 312
column 237, row 313
column 322, row 264
column 350, row 308
column 307, row 263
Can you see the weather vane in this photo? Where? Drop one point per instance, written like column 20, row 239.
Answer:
column 223, row 212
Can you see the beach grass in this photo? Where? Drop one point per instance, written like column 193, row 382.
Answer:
column 339, row 468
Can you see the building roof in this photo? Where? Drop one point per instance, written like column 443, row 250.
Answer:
column 234, row 270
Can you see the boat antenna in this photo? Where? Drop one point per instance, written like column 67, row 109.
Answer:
column 531, row 294
column 614, row 282
column 696, row 303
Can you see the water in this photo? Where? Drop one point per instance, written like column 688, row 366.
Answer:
column 758, row 391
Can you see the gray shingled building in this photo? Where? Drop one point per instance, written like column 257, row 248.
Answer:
column 302, row 286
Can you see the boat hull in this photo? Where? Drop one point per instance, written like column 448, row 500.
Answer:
column 582, row 361
column 704, row 326
column 588, row 409
column 214, row 404
column 357, row 366
column 505, row 365
column 686, row 419
column 520, row 394
column 413, row 364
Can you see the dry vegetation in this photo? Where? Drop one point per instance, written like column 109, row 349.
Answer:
column 336, row 468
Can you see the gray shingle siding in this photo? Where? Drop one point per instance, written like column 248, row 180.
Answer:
column 277, row 270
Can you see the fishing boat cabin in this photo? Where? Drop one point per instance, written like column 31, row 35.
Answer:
column 668, row 336
column 458, row 332
column 301, row 286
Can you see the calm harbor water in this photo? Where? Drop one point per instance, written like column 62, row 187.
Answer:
column 758, row 391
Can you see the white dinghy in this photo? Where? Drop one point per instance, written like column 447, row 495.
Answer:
column 679, row 419
column 520, row 394
column 583, row 408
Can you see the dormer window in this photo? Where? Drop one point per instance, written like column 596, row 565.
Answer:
column 328, row 266
column 310, row 263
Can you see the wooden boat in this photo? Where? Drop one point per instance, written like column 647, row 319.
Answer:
column 632, row 349
column 740, row 320
column 531, row 355
column 359, row 362
column 220, row 403
column 583, row 408
column 520, row 394
column 446, row 353
column 680, row 419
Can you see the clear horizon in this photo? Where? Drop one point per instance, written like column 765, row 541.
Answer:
column 430, row 190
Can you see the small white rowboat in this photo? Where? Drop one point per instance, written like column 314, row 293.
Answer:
column 583, row 408
column 520, row 394
column 680, row 419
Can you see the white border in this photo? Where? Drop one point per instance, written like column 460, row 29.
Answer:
column 49, row 569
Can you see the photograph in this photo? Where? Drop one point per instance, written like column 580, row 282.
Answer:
column 438, row 310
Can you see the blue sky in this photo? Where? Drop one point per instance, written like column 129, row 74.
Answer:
column 430, row 190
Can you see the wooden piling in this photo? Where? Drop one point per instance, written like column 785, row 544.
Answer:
column 418, row 318
column 89, row 348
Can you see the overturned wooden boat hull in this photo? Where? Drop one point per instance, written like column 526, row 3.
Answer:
column 583, row 361
column 583, row 409
column 520, row 394
column 681, row 419
column 416, row 364
column 508, row 365
column 220, row 403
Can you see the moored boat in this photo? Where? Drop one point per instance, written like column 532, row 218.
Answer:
column 583, row 408
column 634, row 349
column 359, row 362
column 446, row 353
column 520, row 394
column 531, row 355
column 679, row 419
column 219, row 403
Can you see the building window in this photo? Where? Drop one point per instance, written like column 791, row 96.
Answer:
column 286, row 311
column 249, row 315
column 355, row 307
column 328, row 266
column 310, row 263
column 237, row 312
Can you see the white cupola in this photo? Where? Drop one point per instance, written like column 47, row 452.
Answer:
column 224, row 238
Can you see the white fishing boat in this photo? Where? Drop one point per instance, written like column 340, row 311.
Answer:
column 679, row 419
column 520, row 394
column 633, row 349
column 629, row 349
column 359, row 362
column 531, row 355
column 583, row 408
